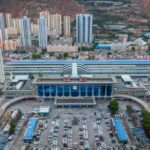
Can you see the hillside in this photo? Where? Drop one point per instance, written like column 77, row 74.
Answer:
column 31, row 8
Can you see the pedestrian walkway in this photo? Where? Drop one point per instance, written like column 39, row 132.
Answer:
column 11, row 102
column 135, row 99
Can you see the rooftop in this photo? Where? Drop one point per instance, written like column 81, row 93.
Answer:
column 20, row 85
column 74, row 70
column 44, row 109
column 68, row 80
column 122, row 135
column 64, row 62
column 122, row 87
column 126, row 78
column 28, row 135
column 20, row 77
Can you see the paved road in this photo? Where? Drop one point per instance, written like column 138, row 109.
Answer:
column 2, row 98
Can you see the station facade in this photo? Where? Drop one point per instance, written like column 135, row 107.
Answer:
column 74, row 85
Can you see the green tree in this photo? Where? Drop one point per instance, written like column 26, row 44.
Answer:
column 133, row 48
column 113, row 106
column 148, row 50
column 12, row 127
column 129, row 108
column 146, row 121
column 65, row 55
column 19, row 115
column 109, row 53
column 31, row 76
column 44, row 50
column 36, row 56
column 79, row 49
column 84, row 48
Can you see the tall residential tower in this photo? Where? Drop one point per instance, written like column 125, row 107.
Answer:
column 66, row 25
column 2, row 25
column 8, row 20
column 42, row 32
column 2, row 75
column 84, row 28
column 26, row 31
column 1, row 40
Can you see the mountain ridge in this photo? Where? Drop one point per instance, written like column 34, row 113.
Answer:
column 31, row 8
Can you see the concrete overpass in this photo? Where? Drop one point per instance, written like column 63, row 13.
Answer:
column 19, row 99
column 135, row 99
column 13, row 101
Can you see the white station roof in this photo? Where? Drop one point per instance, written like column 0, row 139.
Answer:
column 74, row 70
column 126, row 78
column 20, row 77
column 44, row 109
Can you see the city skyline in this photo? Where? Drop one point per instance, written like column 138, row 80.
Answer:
column 74, row 75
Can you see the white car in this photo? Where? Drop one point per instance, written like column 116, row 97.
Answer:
column 55, row 142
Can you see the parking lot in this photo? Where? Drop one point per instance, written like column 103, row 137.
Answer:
column 76, row 129
column 72, row 128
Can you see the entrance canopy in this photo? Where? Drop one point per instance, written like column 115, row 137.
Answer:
column 78, row 101
column 44, row 110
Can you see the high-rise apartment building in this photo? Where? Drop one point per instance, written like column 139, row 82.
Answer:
column 16, row 24
column 34, row 28
column 42, row 32
column 8, row 20
column 2, row 25
column 66, row 25
column 57, row 23
column 26, row 31
column 54, row 22
column 46, row 15
column 1, row 40
column 84, row 28
column 2, row 75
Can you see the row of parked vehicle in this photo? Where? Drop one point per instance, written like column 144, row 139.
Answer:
column 54, row 134
column 67, row 135
column 98, row 134
column 83, row 135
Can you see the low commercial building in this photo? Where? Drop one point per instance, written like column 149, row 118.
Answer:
column 103, row 46
column 6, row 129
column 29, row 132
column 127, row 85
column 10, row 44
column 18, row 87
column 44, row 110
column 127, row 79
column 120, row 130
column 62, row 48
